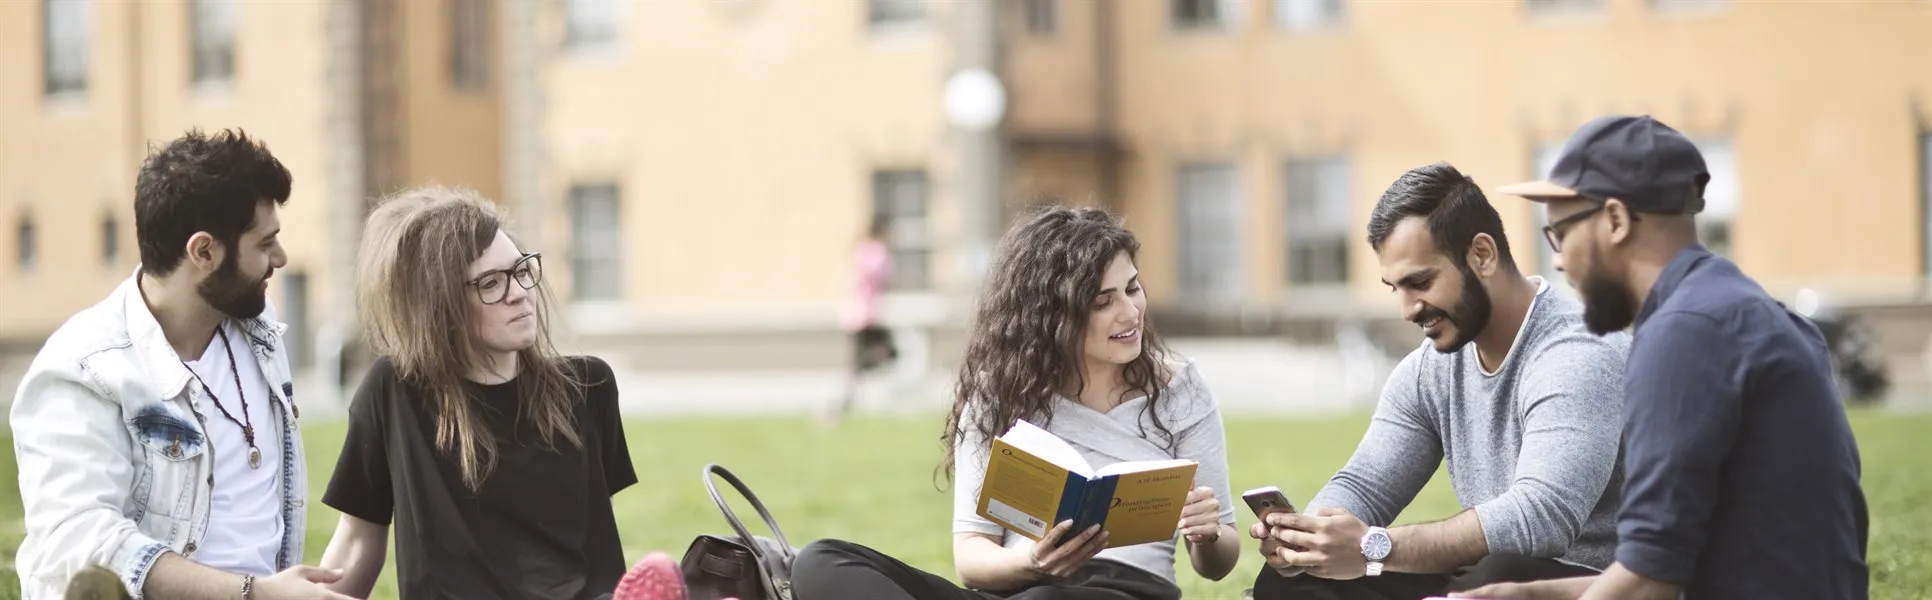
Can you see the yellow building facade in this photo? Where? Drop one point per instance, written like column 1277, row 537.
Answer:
column 1255, row 137
column 87, row 87
column 701, row 170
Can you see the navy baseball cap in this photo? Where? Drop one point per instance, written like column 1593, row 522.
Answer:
column 1637, row 160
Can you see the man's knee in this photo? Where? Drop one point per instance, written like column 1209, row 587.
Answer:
column 1272, row 585
column 826, row 553
column 820, row 567
column 1506, row 568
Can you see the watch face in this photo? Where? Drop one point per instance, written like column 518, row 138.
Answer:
column 1375, row 545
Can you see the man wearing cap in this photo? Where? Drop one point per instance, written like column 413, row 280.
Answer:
column 1741, row 471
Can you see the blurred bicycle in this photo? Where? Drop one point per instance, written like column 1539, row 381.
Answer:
column 1857, row 361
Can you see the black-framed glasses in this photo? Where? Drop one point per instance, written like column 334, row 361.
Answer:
column 494, row 286
column 1553, row 232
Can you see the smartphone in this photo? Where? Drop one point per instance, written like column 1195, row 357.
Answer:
column 1266, row 500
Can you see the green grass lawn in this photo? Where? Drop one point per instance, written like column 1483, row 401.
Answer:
column 871, row 481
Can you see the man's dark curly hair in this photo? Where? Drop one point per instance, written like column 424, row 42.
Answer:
column 197, row 183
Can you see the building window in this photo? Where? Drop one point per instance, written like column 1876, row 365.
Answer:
column 1541, row 161
column 1209, row 200
column 591, row 26
column 1925, row 200
column 211, row 29
column 65, row 45
column 293, row 309
column 900, row 197
column 1042, row 17
column 1308, row 15
column 596, row 252
column 469, row 44
column 1565, row 6
column 110, row 240
column 1687, row 4
column 1715, row 224
column 1206, row 14
column 1317, row 210
column 25, row 243
column 894, row 14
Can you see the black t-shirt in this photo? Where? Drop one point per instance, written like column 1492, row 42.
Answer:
column 541, row 527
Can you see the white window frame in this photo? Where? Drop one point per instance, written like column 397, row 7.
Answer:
column 1040, row 17
column 67, row 38
column 1317, row 216
column 1717, row 224
column 1228, row 15
column 1542, row 160
column 110, row 239
column 593, row 28
column 896, row 16
column 1925, row 202
column 469, row 44
column 213, row 26
column 1209, row 203
column 26, row 243
column 1302, row 16
column 903, row 197
column 596, row 242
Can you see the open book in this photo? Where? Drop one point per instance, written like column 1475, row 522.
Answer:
column 1035, row 480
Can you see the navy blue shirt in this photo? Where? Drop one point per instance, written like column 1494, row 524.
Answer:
column 1741, row 471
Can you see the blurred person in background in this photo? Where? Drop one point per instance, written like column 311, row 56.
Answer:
column 1743, row 472
column 495, row 457
column 1061, row 339
column 1508, row 385
column 156, row 431
column 871, row 342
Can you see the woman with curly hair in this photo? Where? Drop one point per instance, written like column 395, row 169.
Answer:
column 1061, row 340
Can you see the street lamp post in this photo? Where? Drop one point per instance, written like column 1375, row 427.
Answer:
column 975, row 105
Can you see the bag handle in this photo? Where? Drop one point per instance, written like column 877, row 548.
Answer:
column 738, row 526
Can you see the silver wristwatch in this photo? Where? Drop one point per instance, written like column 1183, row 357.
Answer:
column 1375, row 547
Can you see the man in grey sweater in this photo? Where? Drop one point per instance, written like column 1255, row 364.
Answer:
column 1510, row 387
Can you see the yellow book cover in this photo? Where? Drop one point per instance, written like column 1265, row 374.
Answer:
column 1034, row 480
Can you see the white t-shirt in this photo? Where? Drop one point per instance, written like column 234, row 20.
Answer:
column 245, row 517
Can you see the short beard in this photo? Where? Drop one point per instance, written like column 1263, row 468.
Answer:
column 1607, row 305
column 234, row 295
column 1471, row 313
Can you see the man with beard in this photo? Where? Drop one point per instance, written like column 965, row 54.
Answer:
column 155, row 432
column 1508, row 386
column 1743, row 474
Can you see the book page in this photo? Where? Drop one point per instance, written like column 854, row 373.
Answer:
column 1141, row 466
column 1048, row 447
column 1021, row 492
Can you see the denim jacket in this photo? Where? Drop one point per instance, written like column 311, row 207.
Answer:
column 114, row 468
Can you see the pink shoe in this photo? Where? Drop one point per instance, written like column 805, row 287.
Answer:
column 654, row 578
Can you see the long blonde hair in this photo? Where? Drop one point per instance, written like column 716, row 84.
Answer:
column 412, row 293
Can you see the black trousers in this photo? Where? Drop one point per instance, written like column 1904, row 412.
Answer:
column 872, row 347
column 1497, row 568
column 841, row 570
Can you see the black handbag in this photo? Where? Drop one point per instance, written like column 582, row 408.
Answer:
column 744, row 566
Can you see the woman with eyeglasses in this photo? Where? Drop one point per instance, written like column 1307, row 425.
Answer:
column 493, row 457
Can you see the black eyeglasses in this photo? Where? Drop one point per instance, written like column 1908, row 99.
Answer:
column 494, row 286
column 1553, row 232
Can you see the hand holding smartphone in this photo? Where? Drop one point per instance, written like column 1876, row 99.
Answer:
column 1266, row 500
